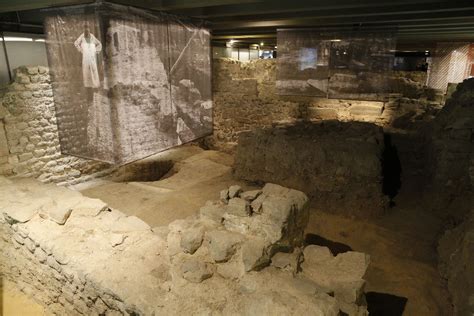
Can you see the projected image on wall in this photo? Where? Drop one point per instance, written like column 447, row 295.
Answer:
column 350, row 65
column 308, row 58
column 303, row 63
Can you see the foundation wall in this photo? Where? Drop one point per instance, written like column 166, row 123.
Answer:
column 29, row 141
column 245, row 97
column 338, row 164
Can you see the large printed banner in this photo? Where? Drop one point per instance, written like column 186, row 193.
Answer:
column 451, row 63
column 342, row 64
column 127, row 83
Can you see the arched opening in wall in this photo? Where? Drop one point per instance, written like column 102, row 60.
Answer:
column 143, row 171
column 391, row 169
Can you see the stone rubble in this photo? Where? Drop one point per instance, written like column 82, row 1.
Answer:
column 98, row 261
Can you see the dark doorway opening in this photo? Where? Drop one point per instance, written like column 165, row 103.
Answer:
column 391, row 170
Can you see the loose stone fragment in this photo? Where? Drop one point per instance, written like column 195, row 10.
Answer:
column 234, row 191
column 223, row 244
column 195, row 271
column 117, row 239
column 250, row 195
column 286, row 261
column 254, row 254
column 213, row 211
column 224, row 195
column 191, row 239
column 238, row 207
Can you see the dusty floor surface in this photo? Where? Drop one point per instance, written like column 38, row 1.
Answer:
column 15, row 303
column 197, row 177
column 401, row 243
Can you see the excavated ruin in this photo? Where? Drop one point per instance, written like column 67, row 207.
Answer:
column 295, row 205
column 230, row 258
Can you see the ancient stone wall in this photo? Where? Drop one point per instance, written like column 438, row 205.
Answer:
column 452, row 153
column 245, row 97
column 76, row 256
column 29, row 142
column 338, row 164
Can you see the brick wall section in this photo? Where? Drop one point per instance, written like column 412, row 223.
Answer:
column 245, row 97
column 29, row 142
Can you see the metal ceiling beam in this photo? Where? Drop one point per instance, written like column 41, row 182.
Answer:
column 446, row 9
column 193, row 4
column 295, row 6
column 395, row 19
column 20, row 5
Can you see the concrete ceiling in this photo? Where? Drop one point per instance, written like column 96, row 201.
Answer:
column 420, row 22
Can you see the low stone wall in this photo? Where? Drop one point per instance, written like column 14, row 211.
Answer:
column 29, row 141
column 245, row 97
column 337, row 164
column 76, row 256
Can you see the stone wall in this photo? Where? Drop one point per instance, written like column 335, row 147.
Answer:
column 245, row 97
column 452, row 153
column 76, row 256
column 338, row 164
column 29, row 141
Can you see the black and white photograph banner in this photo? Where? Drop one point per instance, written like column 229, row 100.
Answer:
column 127, row 83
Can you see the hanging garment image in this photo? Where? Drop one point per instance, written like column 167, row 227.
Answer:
column 89, row 46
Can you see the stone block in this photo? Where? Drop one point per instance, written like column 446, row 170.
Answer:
column 367, row 110
column 234, row 191
column 322, row 113
column 238, row 207
column 191, row 239
column 4, row 151
column 249, row 196
column 195, row 270
column 223, row 244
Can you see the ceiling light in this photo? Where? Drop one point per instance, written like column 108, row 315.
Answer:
column 336, row 40
column 261, row 44
column 17, row 39
column 276, row 47
column 39, row 40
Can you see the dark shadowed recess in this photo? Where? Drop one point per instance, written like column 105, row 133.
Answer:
column 391, row 169
column 335, row 247
column 143, row 171
column 383, row 304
